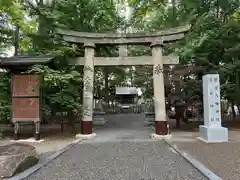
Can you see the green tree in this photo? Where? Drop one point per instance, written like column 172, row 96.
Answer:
column 36, row 23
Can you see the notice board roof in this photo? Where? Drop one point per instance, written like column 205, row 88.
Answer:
column 22, row 63
column 25, row 60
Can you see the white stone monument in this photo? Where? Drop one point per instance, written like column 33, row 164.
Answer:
column 212, row 130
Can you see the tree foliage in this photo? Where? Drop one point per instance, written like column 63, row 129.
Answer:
column 212, row 43
column 30, row 27
column 36, row 22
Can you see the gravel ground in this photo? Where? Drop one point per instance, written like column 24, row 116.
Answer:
column 122, row 150
column 119, row 161
column 221, row 158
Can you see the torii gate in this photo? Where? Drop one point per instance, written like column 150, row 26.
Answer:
column 154, row 39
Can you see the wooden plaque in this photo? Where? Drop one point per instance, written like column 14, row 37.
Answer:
column 25, row 109
column 25, row 85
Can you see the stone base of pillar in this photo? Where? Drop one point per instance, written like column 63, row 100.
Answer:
column 160, row 137
column 86, row 127
column 213, row 134
column 86, row 136
column 161, row 131
column 161, row 128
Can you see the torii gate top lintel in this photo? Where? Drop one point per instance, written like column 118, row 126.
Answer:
column 90, row 40
column 168, row 35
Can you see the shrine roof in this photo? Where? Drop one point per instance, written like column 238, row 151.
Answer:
column 24, row 60
column 126, row 90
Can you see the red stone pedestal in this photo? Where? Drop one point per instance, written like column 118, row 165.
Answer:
column 161, row 128
column 86, row 127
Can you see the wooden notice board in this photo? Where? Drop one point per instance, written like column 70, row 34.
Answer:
column 25, row 85
column 25, row 98
column 25, row 109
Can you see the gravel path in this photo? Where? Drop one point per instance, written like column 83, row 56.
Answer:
column 132, row 156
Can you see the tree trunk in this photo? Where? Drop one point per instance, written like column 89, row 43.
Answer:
column 16, row 40
column 71, row 119
column 217, row 6
column 185, row 114
column 106, row 75
column 178, row 119
column 238, row 86
column 174, row 12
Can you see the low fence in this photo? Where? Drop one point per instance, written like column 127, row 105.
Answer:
column 134, row 108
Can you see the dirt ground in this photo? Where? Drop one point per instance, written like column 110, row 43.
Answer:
column 52, row 138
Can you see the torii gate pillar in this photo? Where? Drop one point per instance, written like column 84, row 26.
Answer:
column 86, row 122
column 161, row 126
